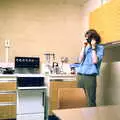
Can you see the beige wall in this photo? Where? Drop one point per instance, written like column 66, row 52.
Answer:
column 37, row 26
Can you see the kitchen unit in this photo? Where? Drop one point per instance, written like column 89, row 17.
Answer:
column 31, row 89
column 36, row 94
column 32, row 101
column 31, row 97
column 23, row 96
column 105, row 20
column 56, row 81
column 7, row 96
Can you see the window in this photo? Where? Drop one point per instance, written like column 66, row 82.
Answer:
column 104, row 1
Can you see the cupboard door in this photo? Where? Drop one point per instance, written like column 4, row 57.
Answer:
column 7, row 86
column 30, row 101
column 7, row 112
column 106, row 20
column 54, row 86
column 7, row 97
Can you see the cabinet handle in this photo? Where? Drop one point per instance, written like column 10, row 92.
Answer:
column 58, row 80
column 7, row 103
column 7, row 92
column 43, row 98
column 7, row 81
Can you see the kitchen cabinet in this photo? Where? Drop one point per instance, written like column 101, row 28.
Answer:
column 31, row 97
column 7, row 97
column 22, row 101
column 7, row 111
column 56, row 82
column 106, row 20
column 31, row 104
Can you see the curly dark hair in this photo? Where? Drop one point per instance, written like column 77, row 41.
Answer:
column 92, row 34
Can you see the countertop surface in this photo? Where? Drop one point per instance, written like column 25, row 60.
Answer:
column 22, row 75
column 90, row 113
column 51, row 77
column 37, row 75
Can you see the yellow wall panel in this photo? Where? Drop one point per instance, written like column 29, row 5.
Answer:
column 106, row 20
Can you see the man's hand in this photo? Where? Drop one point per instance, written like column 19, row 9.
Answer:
column 85, row 43
column 93, row 44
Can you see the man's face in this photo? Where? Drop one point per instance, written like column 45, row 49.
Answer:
column 88, row 38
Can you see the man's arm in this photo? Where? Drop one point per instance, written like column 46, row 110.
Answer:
column 94, row 54
column 82, row 53
column 94, row 57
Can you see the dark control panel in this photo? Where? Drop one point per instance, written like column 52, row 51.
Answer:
column 27, row 62
column 30, row 81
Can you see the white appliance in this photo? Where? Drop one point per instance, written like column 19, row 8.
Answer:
column 31, row 98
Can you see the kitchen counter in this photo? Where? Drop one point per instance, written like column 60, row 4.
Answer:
column 50, row 77
column 16, row 94
column 52, row 83
column 56, row 81
column 21, row 75
column 63, row 77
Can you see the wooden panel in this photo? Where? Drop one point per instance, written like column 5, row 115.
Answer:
column 7, row 97
column 7, row 86
column 54, row 86
column 71, row 98
column 106, row 20
column 7, row 112
column 110, row 112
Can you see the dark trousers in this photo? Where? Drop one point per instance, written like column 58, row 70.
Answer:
column 88, row 82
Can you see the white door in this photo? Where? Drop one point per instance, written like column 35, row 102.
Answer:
column 30, row 101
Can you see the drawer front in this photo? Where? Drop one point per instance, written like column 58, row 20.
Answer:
column 7, row 112
column 7, row 86
column 7, row 97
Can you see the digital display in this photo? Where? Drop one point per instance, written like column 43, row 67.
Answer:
column 27, row 62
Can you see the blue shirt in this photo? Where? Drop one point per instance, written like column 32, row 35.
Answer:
column 87, row 67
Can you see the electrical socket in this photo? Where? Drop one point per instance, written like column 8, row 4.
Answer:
column 7, row 43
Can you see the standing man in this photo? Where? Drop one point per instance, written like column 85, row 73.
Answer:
column 90, row 60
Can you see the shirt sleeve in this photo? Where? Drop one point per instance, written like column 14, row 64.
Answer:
column 100, row 53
